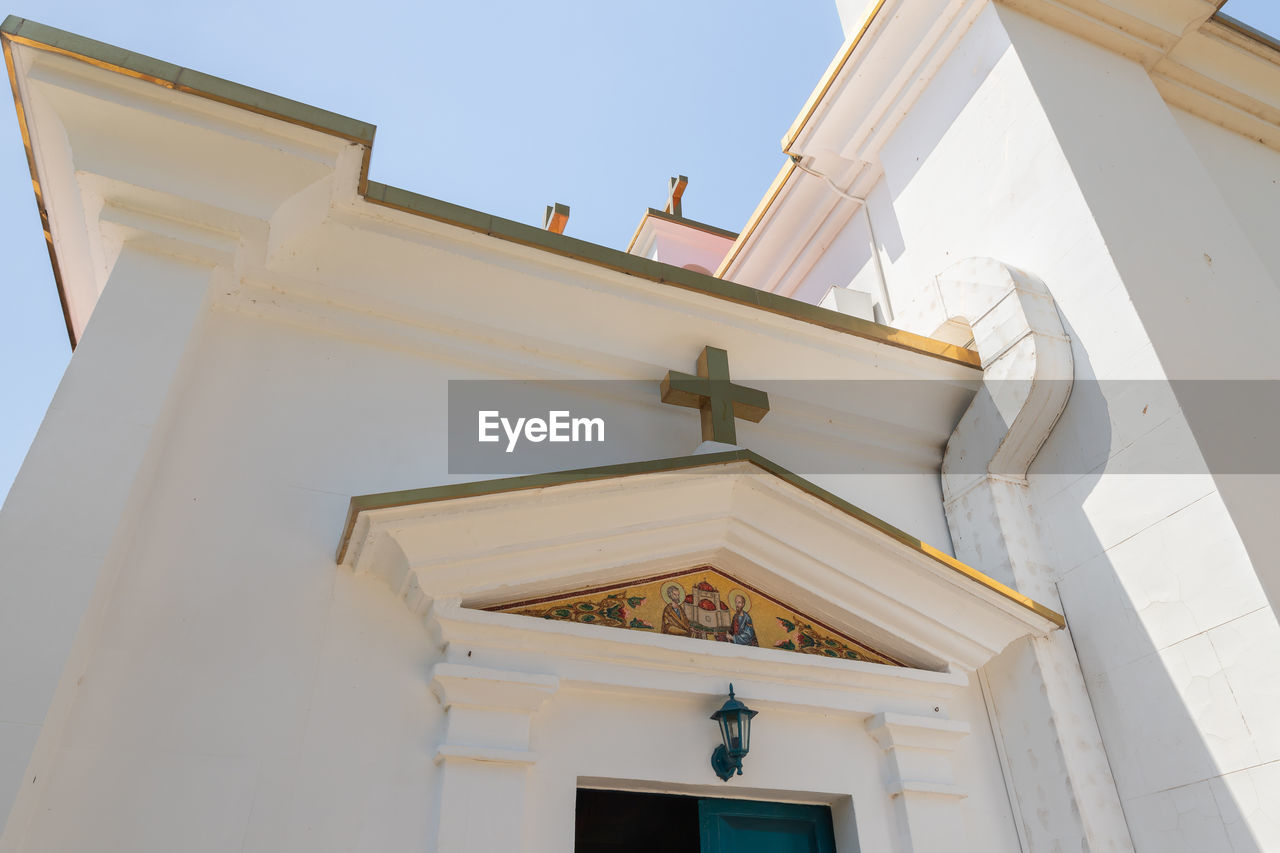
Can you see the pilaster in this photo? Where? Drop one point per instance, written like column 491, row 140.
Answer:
column 484, row 756
column 1203, row 291
column 921, row 778
column 70, row 517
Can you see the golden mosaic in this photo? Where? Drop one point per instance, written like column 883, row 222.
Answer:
column 703, row 604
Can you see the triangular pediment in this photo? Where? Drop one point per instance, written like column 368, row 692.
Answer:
column 700, row 604
column 530, row 545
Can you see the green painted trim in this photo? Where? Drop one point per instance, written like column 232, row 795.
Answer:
column 692, row 223
column 454, row 491
column 184, row 79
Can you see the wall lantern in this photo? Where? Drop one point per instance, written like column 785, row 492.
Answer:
column 735, row 732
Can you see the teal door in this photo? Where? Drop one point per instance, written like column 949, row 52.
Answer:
column 744, row 826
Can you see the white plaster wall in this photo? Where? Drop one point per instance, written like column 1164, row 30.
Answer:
column 685, row 246
column 243, row 692
column 845, row 262
column 469, row 331
column 1191, row 713
column 247, row 691
column 795, row 756
column 1172, row 626
column 833, row 759
column 1247, row 174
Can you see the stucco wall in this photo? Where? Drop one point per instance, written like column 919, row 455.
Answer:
column 1170, row 621
column 235, row 688
column 244, row 690
column 1247, row 174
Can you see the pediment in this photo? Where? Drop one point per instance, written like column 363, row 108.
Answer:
column 502, row 545
column 700, row 604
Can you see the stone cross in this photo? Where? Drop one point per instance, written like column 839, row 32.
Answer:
column 676, row 192
column 556, row 218
column 719, row 400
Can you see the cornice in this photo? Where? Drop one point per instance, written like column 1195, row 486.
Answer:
column 875, row 79
column 1229, row 71
column 1245, row 36
column 627, row 662
column 365, row 504
column 1201, row 61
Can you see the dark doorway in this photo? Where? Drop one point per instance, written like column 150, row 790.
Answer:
column 628, row 822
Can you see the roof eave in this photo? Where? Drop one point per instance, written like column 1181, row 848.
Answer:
column 17, row 30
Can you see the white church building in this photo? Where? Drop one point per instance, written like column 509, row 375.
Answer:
column 362, row 521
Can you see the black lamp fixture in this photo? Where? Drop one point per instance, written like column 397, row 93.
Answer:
column 735, row 732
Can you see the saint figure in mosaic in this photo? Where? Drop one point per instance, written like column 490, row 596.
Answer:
column 674, row 620
column 741, row 629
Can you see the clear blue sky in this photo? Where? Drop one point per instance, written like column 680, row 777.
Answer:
column 503, row 106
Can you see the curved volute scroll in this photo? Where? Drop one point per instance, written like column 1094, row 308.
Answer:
column 1026, row 359
column 1027, row 378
